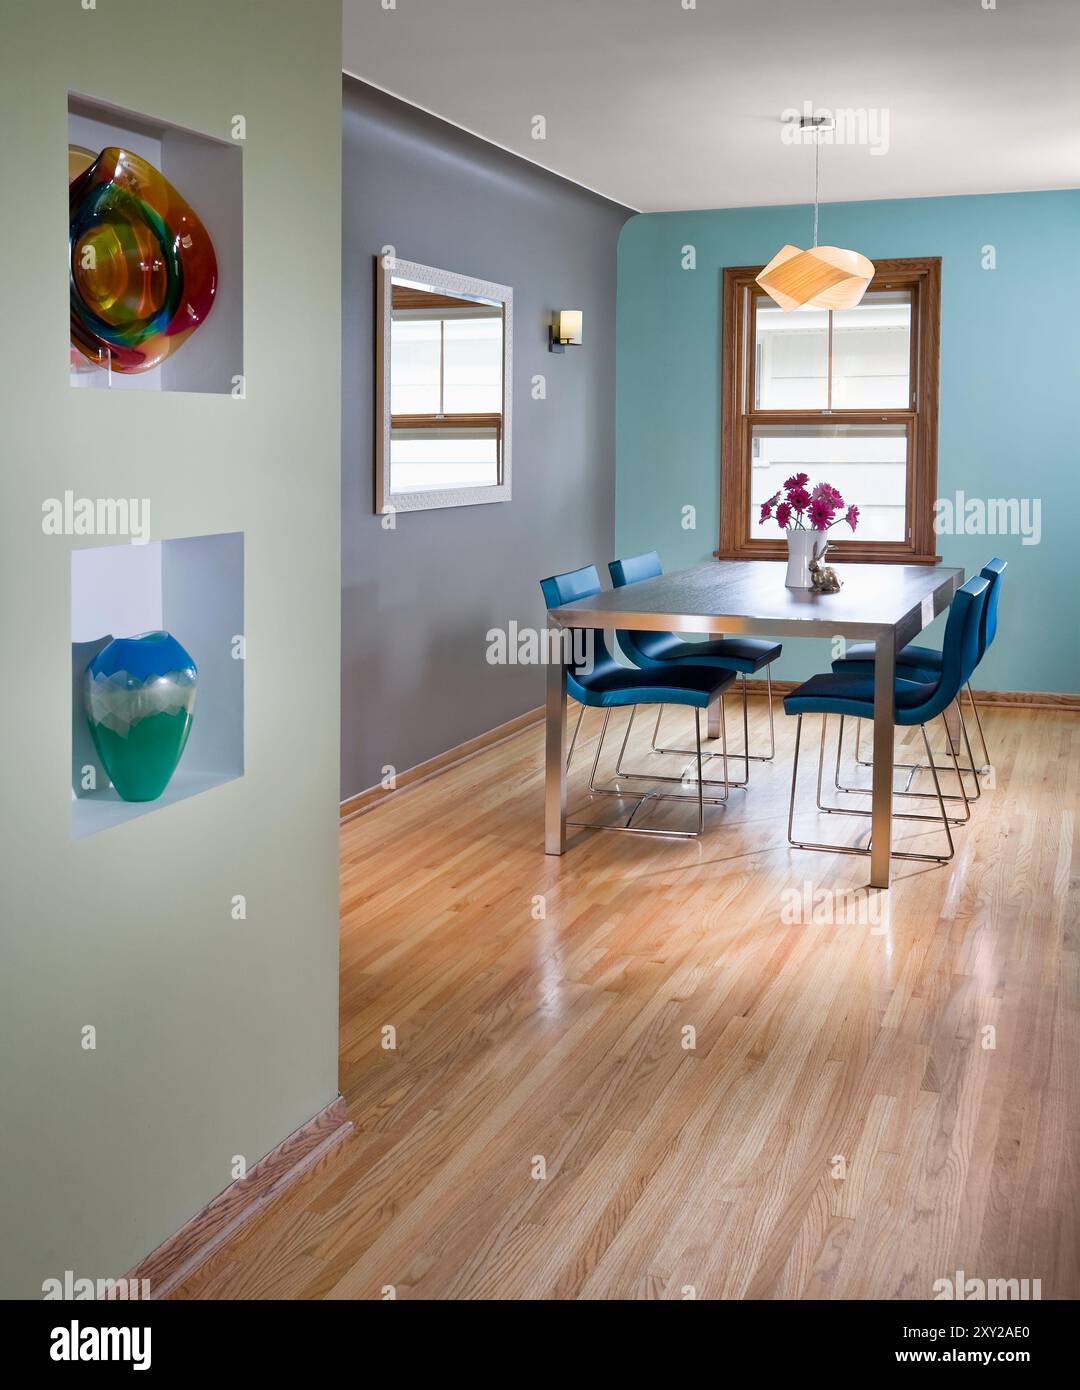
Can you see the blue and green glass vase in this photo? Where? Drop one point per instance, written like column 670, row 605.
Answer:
column 139, row 695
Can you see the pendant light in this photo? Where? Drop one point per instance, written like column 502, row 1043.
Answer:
column 825, row 277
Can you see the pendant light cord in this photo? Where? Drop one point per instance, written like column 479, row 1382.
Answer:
column 817, row 179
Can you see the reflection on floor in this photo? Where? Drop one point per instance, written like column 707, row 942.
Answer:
column 659, row 1069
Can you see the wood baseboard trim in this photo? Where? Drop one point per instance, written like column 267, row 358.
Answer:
column 1009, row 699
column 178, row 1257
column 412, row 777
column 1031, row 699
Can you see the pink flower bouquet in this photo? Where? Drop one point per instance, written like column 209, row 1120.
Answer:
column 808, row 509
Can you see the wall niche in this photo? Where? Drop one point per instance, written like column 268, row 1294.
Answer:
column 156, row 259
column 191, row 588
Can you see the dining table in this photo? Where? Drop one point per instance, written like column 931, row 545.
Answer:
column 887, row 604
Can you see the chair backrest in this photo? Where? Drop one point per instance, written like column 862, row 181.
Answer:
column 960, row 649
column 634, row 569
column 643, row 648
column 993, row 572
column 565, row 588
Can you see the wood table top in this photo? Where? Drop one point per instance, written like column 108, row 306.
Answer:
column 750, row 596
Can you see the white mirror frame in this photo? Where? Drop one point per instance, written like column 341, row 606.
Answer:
column 385, row 502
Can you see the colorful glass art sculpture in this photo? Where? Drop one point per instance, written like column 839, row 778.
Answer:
column 143, row 269
column 139, row 694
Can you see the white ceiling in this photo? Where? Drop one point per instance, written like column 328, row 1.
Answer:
column 662, row 107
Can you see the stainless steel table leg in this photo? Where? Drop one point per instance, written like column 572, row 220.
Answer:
column 714, row 717
column 555, row 761
column 884, row 732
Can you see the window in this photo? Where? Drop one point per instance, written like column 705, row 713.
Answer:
column 848, row 396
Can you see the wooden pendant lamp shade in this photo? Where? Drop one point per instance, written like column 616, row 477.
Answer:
column 825, row 277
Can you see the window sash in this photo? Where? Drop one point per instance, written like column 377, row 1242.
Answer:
column 829, row 410
column 868, row 455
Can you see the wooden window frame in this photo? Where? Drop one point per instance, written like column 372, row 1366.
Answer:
column 741, row 296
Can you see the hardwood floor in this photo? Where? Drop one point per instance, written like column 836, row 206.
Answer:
column 868, row 1101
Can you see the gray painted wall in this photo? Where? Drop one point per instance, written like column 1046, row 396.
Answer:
column 418, row 601
column 215, row 1037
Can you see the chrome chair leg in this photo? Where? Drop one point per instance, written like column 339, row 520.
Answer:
column 772, row 729
column 599, row 745
column 970, row 757
column 897, row 815
column 656, row 796
column 573, row 740
column 726, row 783
column 910, row 768
column 914, row 769
column 982, row 737
column 733, row 757
column 810, row 844
column 937, row 787
column 771, row 754
column 626, row 739
column 971, row 770
column 620, row 771
column 739, row 757
column 794, row 776
column 639, row 801
column 856, row 849
column 746, row 757
column 700, row 769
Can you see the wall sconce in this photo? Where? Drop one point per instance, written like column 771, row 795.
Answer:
column 565, row 329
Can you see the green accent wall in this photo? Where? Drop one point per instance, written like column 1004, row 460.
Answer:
column 1010, row 384
column 215, row 1037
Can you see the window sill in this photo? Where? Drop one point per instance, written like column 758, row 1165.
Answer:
column 836, row 554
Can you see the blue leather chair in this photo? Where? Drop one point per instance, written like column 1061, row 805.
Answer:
column 744, row 655
column 924, row 663
column 605, row 684
column 851, row 695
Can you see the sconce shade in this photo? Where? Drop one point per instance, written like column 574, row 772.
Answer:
column 566, row 326
column 825, row 277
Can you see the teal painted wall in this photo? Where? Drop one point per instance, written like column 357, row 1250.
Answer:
column 1010, row 391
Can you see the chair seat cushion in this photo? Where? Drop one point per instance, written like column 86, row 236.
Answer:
column 851, row 693
column 915, row 658
column 681, row 685
column 745, row 654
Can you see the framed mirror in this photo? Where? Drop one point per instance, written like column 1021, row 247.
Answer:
column 444, row 386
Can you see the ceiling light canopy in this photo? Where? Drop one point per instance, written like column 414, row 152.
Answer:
column 825, row 277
